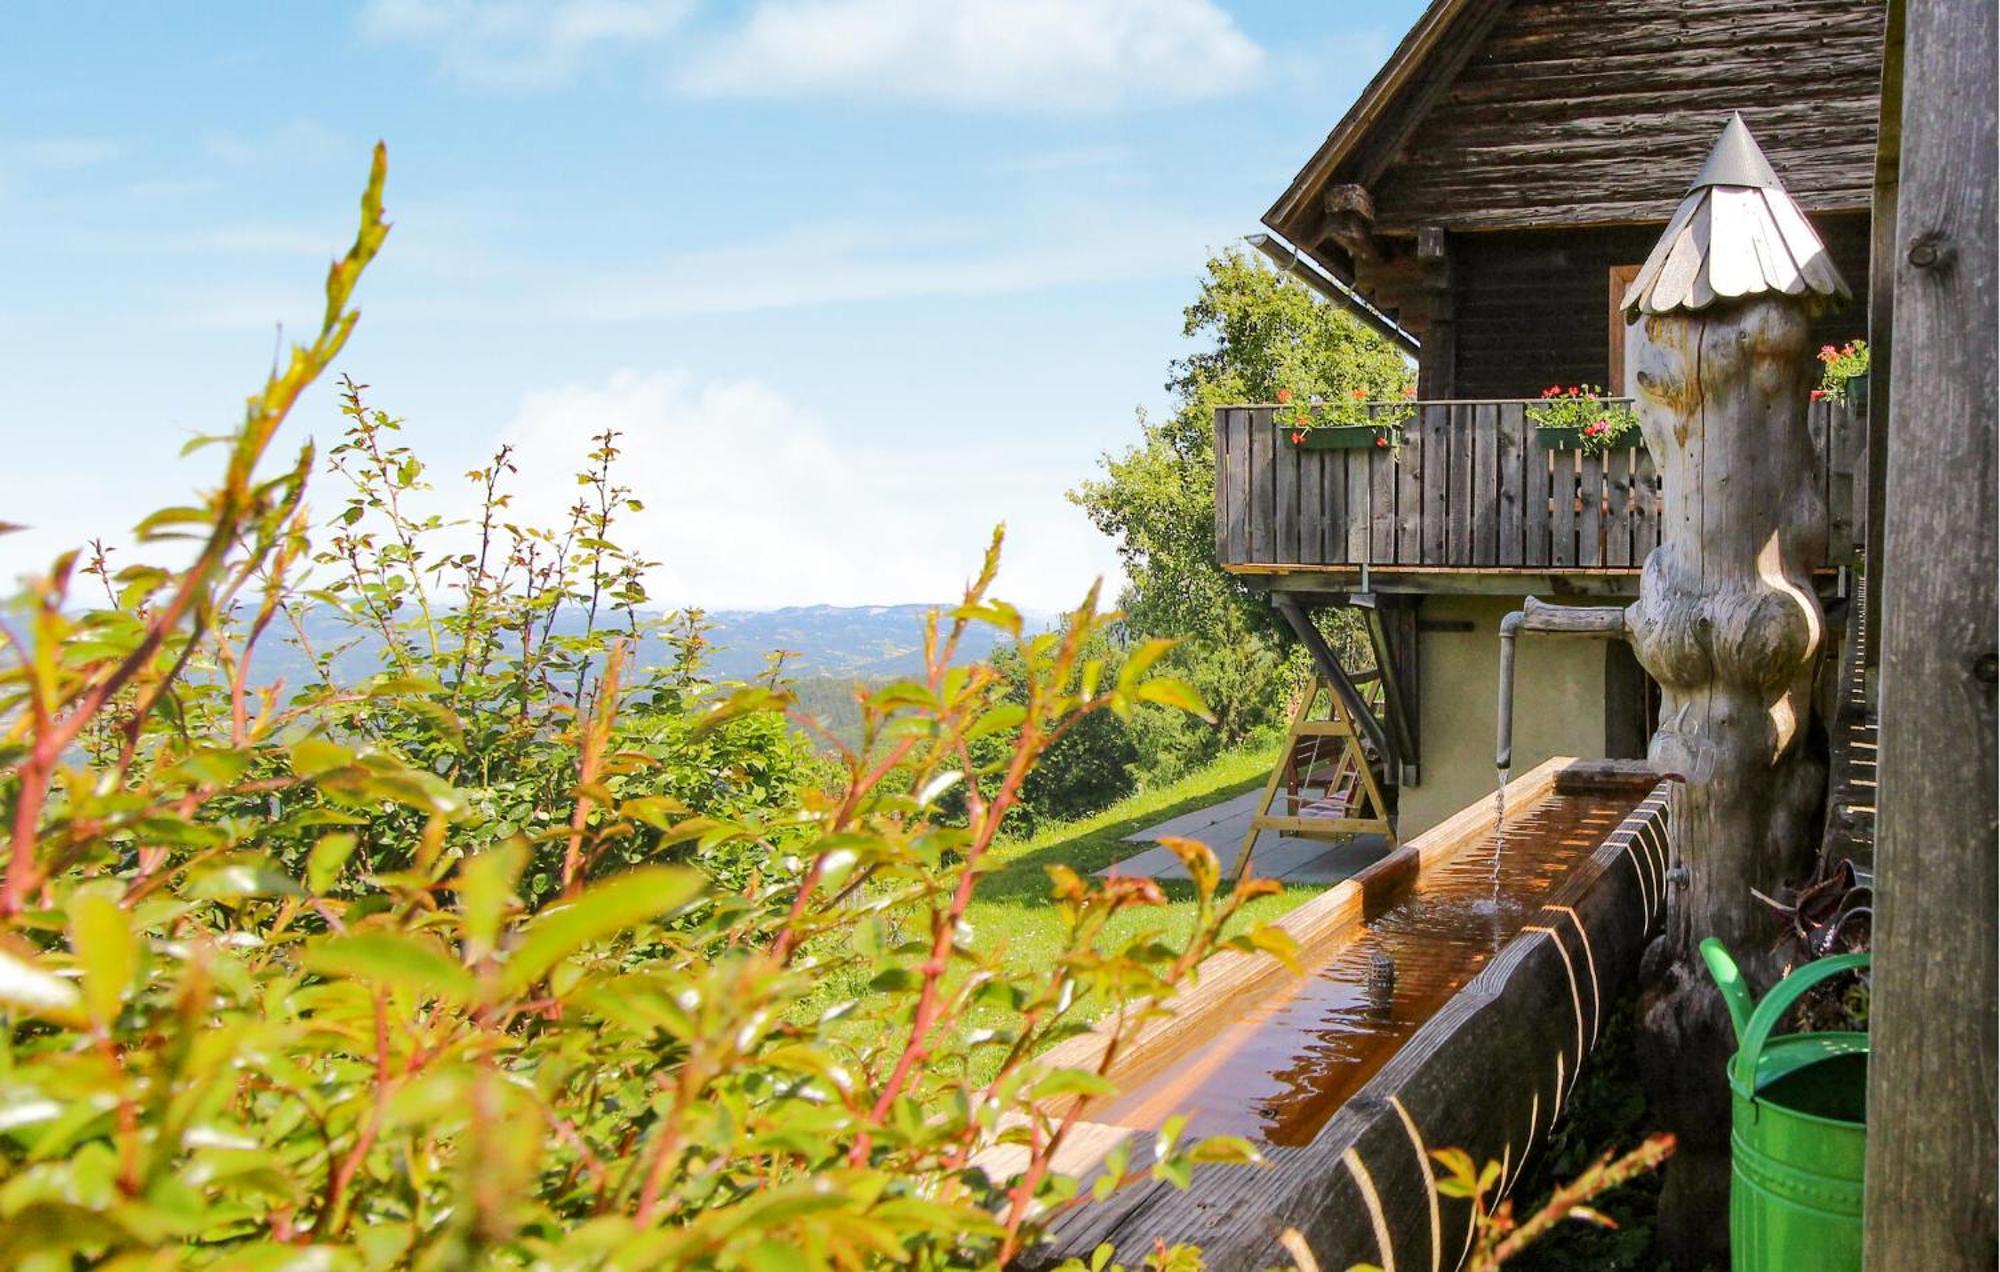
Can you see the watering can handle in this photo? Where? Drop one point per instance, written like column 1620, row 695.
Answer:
column 1735, row 994
column 1780, row 1000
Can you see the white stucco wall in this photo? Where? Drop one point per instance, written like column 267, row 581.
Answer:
column 1558, row 705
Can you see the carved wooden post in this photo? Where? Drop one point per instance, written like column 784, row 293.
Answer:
column 1727, row 621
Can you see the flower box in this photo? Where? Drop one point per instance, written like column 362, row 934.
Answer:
column 1558, row 438
column 1341, row 436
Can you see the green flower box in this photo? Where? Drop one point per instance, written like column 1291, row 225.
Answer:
column 1559, row 438
column 1341, row 436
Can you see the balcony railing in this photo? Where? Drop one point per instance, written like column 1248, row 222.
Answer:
column 1469, row 488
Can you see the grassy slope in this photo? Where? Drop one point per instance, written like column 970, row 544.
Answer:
column 1011, row 904
column 1011, row 909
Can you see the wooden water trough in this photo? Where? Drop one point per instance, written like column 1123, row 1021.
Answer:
column 1452, row 993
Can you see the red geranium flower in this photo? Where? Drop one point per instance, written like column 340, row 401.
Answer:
column 1298, row 438
column 1817, row 394
column 1359, row 394
column 1284, row 395
column 1381, row 441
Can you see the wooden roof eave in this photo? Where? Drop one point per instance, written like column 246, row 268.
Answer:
column 1361, row 145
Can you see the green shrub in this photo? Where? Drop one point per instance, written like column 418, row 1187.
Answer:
column 507, row 954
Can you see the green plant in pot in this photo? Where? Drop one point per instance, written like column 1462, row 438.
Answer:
column 1581, row 418
column 1843, row 372
column 1353, row 422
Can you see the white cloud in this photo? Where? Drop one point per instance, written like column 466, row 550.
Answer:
column 752, row 500
column 1010, row 54
column 519, row 43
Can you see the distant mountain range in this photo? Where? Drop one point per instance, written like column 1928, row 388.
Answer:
column 860, row 642
column 837, row 642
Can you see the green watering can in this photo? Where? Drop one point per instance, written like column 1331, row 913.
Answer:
column 1797, row 1127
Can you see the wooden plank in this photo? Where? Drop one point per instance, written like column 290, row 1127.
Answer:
column 1618, row 495
column 1562, row 530
column 1359, row 542
column 1220, row 450
column 1458, row 549
column 1933, row 1163
column 1651, row 508
column 1382, row 482
column 1285, row 497
column 1512, row 458
column 1535, row 506
column 1333, row 481
column 1263, row 546
column 1590, row 521
column 1235, row 479
column 1312, row 507
column 1437, row 485
column 1485, row 485
column 1410, row 494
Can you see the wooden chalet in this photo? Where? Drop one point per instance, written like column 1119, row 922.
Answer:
column 1486, row 202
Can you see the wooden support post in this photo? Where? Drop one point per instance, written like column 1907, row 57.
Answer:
column 1932, row 1171
column 1728, row 623
column 1385, row 633
column 1437, row 361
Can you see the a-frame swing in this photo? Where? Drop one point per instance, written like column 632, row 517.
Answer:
column 1330, row 788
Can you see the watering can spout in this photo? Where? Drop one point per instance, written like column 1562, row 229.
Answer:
column 1735, row 994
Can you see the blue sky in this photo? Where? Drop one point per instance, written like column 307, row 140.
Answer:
column 805, row 253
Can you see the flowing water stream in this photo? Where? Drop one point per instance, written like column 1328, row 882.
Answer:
column 1279, row 1067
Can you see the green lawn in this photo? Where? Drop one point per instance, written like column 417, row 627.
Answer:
column 1011, row 910
column 1011, row 906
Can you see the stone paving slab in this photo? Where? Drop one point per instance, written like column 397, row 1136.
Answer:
column 1201, row 823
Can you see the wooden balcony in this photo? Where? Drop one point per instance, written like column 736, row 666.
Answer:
column 1469, row 501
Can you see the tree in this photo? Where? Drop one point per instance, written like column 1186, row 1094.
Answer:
column 1157, row 499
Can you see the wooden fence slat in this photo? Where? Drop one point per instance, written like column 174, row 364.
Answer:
column 1236, row 444
column 1590, row 524
column 1512, row 458
column 1337, row 507
column 1262, row 434
column 1410, row 495
column 1535, row 506
column 1381, row 505
column 1358, row 542
column 1312, row 506
column 1486, row 485
column 1618, row 494
column 1285, row 501
column 1459, row 540
column 1437, row 485
column 1646, row 494
column 1562, row 534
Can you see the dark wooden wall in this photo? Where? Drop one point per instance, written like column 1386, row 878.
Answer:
column 1531, row 307
column 1582, row 112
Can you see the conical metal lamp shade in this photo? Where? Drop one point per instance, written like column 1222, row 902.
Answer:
column 1736, row 234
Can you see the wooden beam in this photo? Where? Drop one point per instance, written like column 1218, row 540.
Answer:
column 1932, row 1159
column 1881, row 320
column 1336, row 676
column 1395, row 697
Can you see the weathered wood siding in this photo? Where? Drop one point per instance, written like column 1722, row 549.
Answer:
column 1531, row 307
column 1469, row 489
column 1593, row 112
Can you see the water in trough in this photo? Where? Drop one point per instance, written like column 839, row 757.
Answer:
column 1279, row 1070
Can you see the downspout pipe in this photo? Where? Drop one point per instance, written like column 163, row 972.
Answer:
column 1503, row 744
column 1290, row 260
column 1600, row 622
